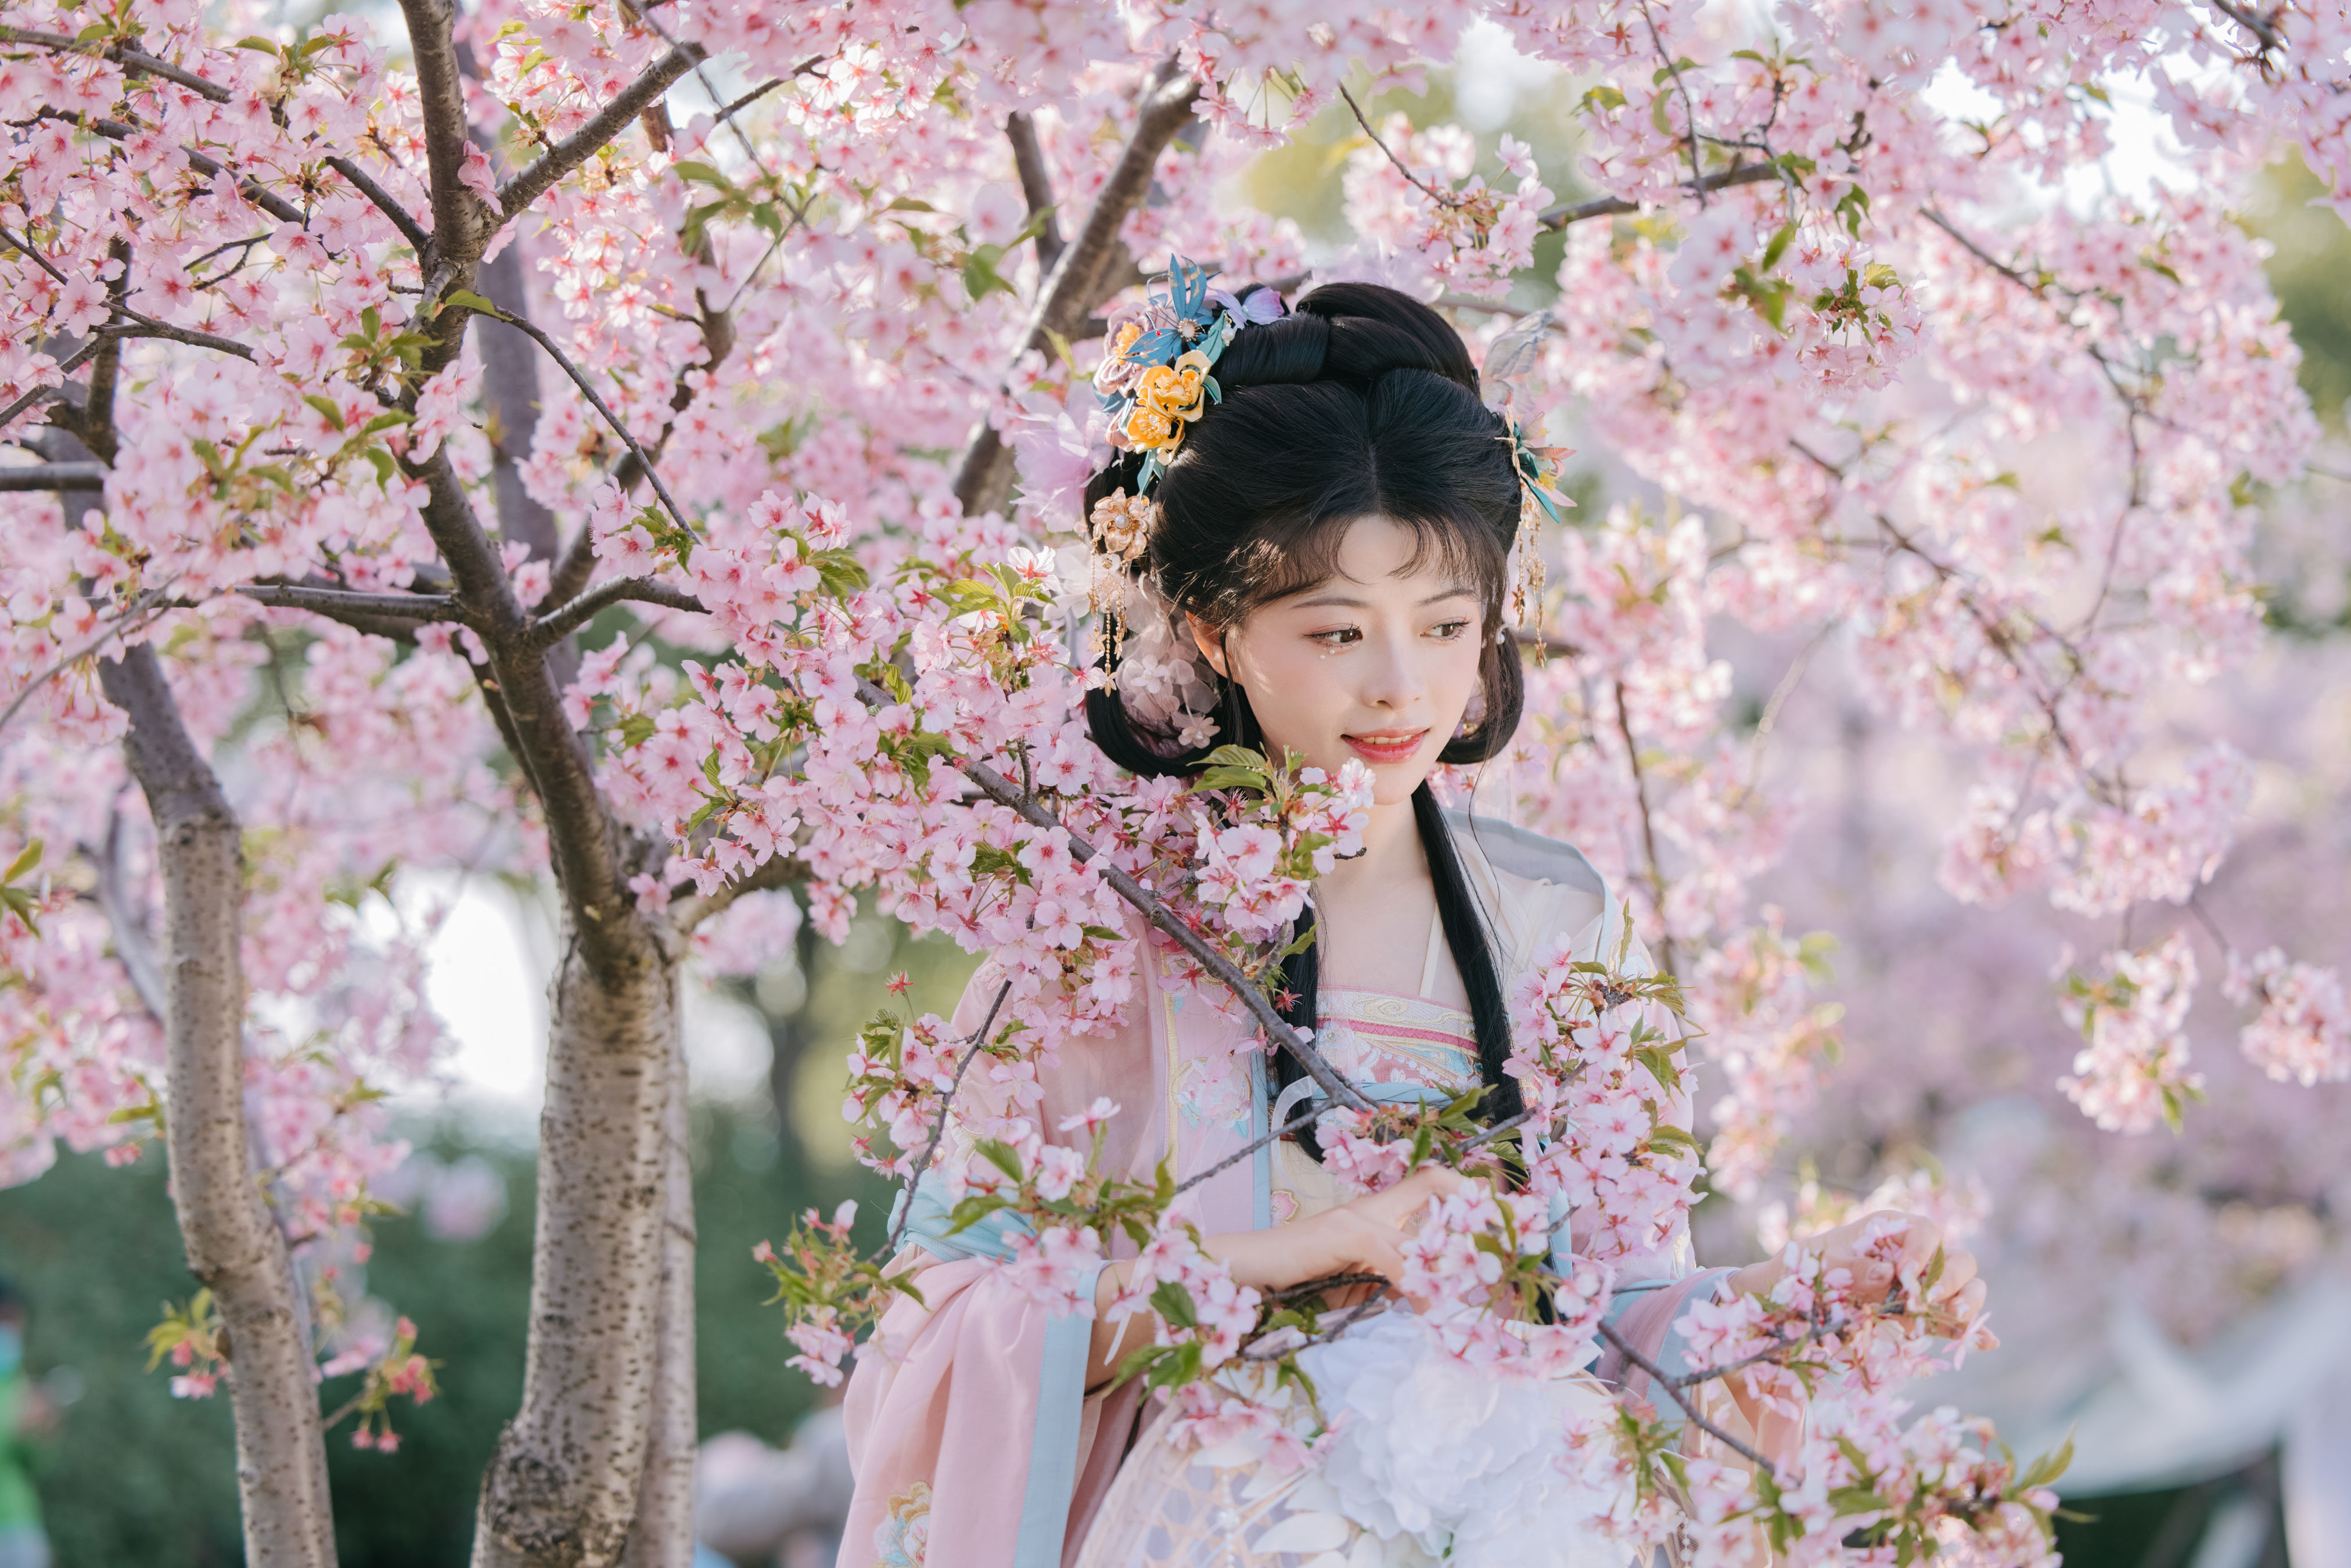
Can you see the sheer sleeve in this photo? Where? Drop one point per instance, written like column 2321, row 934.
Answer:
column 971, row 1434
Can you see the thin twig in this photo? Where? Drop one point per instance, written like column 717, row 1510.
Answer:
column 135, row 615
column 1648, row 831
column 65, row 367
column 131, row 58
column 1442, row 198
column 1293, row 1124
column 1689, row 110
column 974, row 1042
column 147, row 326
column 1328, row 1283
column 1657, row 1374
column 579, row 379
column 557, row 624
column 401, row 218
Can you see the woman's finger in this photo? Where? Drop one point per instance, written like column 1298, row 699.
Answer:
column 1959, row 1272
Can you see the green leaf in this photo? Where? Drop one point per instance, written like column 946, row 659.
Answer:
column 1665, row 1135
column 1002, row 1156
column 258, row 45
column 1173, row 1302
column 386, row 470
column 701, row 173
column 1602, row 97
column 24, row 862
column 472, row 301
column 979, row 275
column 1778, row 247
column 326, row 410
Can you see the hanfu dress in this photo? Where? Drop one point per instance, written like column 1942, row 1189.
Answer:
column 975, row 1440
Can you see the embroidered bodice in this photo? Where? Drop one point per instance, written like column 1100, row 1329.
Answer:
column 1389, row 1044
column 1381, row 1037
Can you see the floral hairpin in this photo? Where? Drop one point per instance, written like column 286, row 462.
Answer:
column 1155, row 380
column 1155, row 374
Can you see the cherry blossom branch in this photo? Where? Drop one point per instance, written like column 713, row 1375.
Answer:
column 997, row 788
column 557, row 624
column 1556, row 218
column 984, row 472
column 147, row 326
column 277, row 206
column 775, row 871
column 974, row 1043
column 135, row 614
column 65, row 367
column 596, row 401
column 462, row 221
column 341, row 602
column 1237, row 1155
column 1689, row 112
column 516, row 194
column 2262, row 28
column 1316, row 1287
column 1673, row 1391
column 133, row 60
column 401, row 218
column 1442, row 198
column 1036, row 186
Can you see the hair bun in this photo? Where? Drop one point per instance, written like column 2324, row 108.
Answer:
column 1375, row 330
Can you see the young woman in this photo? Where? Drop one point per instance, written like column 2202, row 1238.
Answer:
column 1332, row 539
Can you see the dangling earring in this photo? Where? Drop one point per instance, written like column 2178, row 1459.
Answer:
column 1473, row 718
column 1120, row 537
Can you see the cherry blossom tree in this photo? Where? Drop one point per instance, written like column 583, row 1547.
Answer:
column 640, row 448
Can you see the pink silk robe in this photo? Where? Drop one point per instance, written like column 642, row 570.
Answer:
column 973, row 1437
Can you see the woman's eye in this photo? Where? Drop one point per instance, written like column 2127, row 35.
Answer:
column 1343, row 636
column 1450, row 632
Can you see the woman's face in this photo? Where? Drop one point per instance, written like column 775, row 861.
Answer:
column 1376, row 664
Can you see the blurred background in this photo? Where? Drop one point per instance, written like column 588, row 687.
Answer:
column 2175, row 1302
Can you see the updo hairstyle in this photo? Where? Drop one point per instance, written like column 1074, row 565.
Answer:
column 1359, row 403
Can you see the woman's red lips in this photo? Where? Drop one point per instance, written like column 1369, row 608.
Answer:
column 1389, row 747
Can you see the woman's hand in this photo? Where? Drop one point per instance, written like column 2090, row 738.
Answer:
column 1877, row 1251
column 1363, row 1236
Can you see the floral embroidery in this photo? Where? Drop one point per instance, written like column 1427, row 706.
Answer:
column 902, row 1539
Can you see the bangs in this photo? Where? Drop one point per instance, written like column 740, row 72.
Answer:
column 1289, row 558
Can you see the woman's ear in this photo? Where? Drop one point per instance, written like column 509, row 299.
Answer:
column 1211, row 643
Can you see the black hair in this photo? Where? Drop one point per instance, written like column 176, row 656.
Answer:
column 1362, row 402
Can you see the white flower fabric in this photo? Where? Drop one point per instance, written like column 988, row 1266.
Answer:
column 1434, row 1461
column 1162, row 678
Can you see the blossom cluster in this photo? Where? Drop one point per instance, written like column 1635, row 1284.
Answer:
column 1822, row 330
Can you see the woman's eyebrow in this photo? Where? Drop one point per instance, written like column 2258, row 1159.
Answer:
column 1342, row 602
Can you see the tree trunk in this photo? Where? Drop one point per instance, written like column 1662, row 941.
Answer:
column 663, row 1536
column 562, row 1489
column 233, row 1244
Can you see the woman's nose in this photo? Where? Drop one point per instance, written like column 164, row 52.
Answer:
column 1392, row 676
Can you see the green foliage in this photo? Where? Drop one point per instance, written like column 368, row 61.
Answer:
column 135, row 1479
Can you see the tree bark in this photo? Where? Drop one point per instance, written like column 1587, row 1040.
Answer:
column 562, row 1487
column 233, row 1244
column 662, row 1533
column 984, row 473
